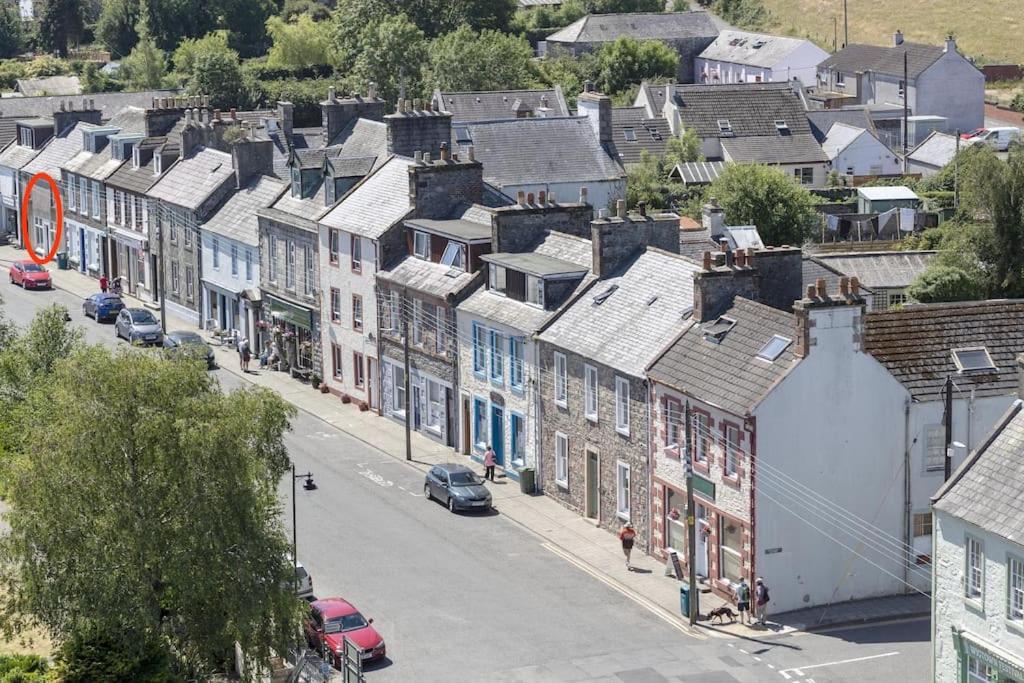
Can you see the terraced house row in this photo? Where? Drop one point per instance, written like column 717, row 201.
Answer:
column 466, row 265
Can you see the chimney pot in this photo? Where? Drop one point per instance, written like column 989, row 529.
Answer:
column 332, row 94
column 426, row 157
column 529, row 198
column 723, row 244
column 855, row 285
column 542, row 197
column 620, row 208
column 707, row 260
column 416, row 104
column 821, row 287
column 741, row 258
column 844, row 286
column 521, row 198
column 216, row 114
column 811, row 291
column 583, row 195
column 641, row 208
column 471, row 153
column 371, row 91
column 602, row 212
column 897, row 38
column 417, row 156
column 444, row 152
column 234, row 114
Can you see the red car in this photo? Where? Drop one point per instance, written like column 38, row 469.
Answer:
column 974, row 133
column 333, row 619
column 30, row 275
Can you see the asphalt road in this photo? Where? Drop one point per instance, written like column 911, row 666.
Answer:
column 477, row 598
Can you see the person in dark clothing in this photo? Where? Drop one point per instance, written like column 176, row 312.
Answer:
column 627, row 535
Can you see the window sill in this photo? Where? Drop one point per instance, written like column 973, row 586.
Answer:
column 624, row 516
column 564, row 485
column 975, row 605
column 624, row 431
column 731, row 480
column 358, row 270
column 497, row 382
column 398, row 414
column 562, row 404
column 480, row 375
column 701, row 467
column 432, row 429
column 1015, row 626
column 591, row 419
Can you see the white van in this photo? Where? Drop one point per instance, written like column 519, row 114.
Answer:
column 998, row 139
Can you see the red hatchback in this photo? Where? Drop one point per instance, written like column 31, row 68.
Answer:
column 331, row 620
column 30, row 275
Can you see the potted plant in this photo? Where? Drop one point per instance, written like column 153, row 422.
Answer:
column 314, row 380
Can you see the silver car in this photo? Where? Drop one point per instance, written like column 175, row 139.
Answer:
column 138, row 326
column 458, row 487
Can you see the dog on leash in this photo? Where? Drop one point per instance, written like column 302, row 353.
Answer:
column 721, row 613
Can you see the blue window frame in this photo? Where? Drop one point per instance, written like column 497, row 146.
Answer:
column 515, row 355
column 479, row 359
column 497, row 357
column 479, row 423
column 518, row 439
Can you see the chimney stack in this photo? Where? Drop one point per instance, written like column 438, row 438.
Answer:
column 529, row 198
column 844, row 286
column 597, row 108
column 542, row 198
column 822, row 289
column 641, row 208
column 950, row 44
column 521, row 198
column 707, row 260
column 897, row 38
column 712, row 217
column 620, row 208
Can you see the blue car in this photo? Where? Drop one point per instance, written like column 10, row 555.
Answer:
column 102, row 306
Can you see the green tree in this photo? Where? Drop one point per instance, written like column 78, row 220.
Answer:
column 61, row 23
column 147, row 510
column 246, row 23
column 116, row 26
column 10, row 31
column 295, row 8
column 207, row 66
column 489, row 60
column 298, row 43
column 648, row 182
column 40, row 67
column 683, row 149
column 624, row 6
column 392, row 54
column 560, row 67
column 627, row 61
column 940, row 282
column 547, row 17
column 764, row 196
column 749, row 14
column 146, row 67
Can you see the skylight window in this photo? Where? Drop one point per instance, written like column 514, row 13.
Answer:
column 453, row 256
column 716, row 331
column 603, row 296
column 780, row 125
column 724, row 127
column 973, row 359
column 774, row 347
column 462, row 135
column 630, row 134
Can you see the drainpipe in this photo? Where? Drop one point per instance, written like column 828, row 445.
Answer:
column 538, row 436
column 648, row 451
column 970, row 418
column 907, row 503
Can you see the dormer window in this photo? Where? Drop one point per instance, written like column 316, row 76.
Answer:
column 781, row 126
column 136, row 157
column 454, row 256
column 421, row 245
column 840, row 79
column 497, row 279
column 973, row 359
column 535, row 290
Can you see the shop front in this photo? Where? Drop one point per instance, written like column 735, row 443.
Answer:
column 128, row 259
column 85, row 244
column 292, row 328
column 675, row 522
column 984, row 662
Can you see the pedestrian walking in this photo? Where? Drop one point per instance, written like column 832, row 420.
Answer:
column 265, row 356
column 627, row 534
column 761, row 599
column 489, row 462
column 246, row 355
column 116, row 286
column 241, row 356
column 103, row 283
column 743, row 601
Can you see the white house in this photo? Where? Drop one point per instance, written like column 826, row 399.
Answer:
column 231, row 260
column 978, row 593
column 743, row 57
column 856, row 151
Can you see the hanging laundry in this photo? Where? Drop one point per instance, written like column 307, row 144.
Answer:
column 907, row 219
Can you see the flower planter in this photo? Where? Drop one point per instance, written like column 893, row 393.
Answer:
column 345, row 398
column 324, row 389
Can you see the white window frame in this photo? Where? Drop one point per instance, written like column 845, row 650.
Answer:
column 590, row 394
column 496, row 357
column 701, row 438
column 623, row 486
column 248, row 265
column 272, row 258
column 496, row 279
column 562, row 460
column 931, row 433
column 357, row 312
column 516, row 353
column 974, row 569
column 335, row 305
column 234, row 260
column 622, row 405
column 215, row 249
column 308, row 269
column 479, row 349
column 1015, row 590
column 333, row 246
column 561, row 369
column 434, row 392
column 398, row 383
column 454, row 256
column 95, row 199
column 72, row 192
column 535, row 290
column 356, row 247
column 289, row 265
column 731, row 437
column 421, row 244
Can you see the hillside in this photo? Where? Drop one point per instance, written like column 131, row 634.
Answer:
column 988, row 30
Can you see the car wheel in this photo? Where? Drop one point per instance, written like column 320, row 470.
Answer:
column 451, row 504
column 426, row 492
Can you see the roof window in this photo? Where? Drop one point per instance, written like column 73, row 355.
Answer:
column 603, row 296
column 724, row 127
column 973, row 359
column 716, row 331
column 774, row 347
column 781, row 126
column 462, row 135
column 630, row 134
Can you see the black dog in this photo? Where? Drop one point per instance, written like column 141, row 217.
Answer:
column 721, row 613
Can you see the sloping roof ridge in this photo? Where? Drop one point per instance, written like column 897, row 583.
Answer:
column 850, row 254
column 967, row 464
column 512, row 119
column 646, row 14
column 917, row 308
column 492, row 92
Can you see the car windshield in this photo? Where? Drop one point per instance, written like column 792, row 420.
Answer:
column 110, row 300
column 143, row 318
column 189, row 338
column 464, row 479
column 34, row 268
column 349, row 622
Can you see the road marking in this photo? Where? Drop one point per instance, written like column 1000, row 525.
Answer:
column 756, row 658
column 800, row 671
column 744, row 651
column 771, row 666
column 640, row 600
column 376, row 478
column 784, row 675
column 730, row 645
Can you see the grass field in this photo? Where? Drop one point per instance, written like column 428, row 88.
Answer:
column 991, row 31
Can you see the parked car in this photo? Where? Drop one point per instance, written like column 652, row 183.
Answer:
column 998, row 139
column 30, row 275
column 333, row 619
column 303, row 581
column 972, row 133
column 138, row 326
column 178, row 342
column 102, row 306
column 456, row 486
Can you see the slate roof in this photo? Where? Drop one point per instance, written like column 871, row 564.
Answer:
column 99, row 165
column 190, row 181
column 821, row 120
column 880, row 269
column 58, row 151
column 936, row 150
column 650, row 135
column 737, row 47
column 548, row 150
column 363, row 138
column 377, row 202
column 427, row 277
column 698, row 172
column 108, row 103
column 299, row 212
column 750, row 108
column 914, row 344
column 236, row 218
column 50, row 85
column 15, row 156
column 813, row 270
column 774, row 149
column 499, row 104
column 988, row 488
column 8, row 130
column 309, row 158
column 605, row 28
column 140, row 179
column 636, row 321
column 857, row 57
column 728, row 374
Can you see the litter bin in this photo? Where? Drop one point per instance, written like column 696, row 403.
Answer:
column 684, row 600
column 527, row 479
column 62, row 260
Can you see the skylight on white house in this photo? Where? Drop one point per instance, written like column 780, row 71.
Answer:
column 774, row 347
column 972, row 359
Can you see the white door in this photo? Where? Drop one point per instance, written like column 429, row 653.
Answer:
column 702, row 541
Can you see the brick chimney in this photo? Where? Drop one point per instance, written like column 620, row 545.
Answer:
column 435, row 187
column 598, row 108
column 251, row 158
column 617, row 240
column 517, row 228
column 780, row 276
column 712, row 217
column 716, row 285
column 833, row 319
column 286, row 115
column 337, row 113
column 67, row 116
column 417, row 126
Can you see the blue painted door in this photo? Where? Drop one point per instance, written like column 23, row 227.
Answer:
column 498, row 434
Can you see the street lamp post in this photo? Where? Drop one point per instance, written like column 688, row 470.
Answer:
column 309, row 486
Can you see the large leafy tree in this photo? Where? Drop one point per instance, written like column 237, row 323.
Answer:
column 61, row 23
column 489, row 60
column 207, row 66
column 944, row 283
column 392, row 54
column 145, row 510
column 116, row 26
column 299, row 43
column 764, row 196
column 146, row 67
column 10, row 30
column 626, row 61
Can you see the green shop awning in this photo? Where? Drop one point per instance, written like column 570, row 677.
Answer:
column 290, row 313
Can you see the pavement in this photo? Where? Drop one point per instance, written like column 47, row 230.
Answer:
column 441, row 584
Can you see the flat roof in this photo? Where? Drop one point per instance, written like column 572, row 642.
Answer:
column 455, row 228
column 892, row 192
column 535, row 264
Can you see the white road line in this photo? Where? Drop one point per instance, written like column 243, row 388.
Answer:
column 800, row 671
column 784, row 675
column 756, row 658
column 771, row 666
column 730, row 645
column 809, row 680
column 744, row 651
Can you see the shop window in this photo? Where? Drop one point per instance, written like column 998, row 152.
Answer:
column 479, row 423
column 358, row 374
column 730, row 539
column 398, row 406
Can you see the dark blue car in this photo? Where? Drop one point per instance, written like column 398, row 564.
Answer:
column 102, row 306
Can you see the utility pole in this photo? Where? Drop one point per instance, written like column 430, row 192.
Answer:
column 846, row 25
column 948, row 419
column 956, row 173
column 408, row 402
column 295, row 537
column 160, row 269
column 835, row 33
column 691, row 521
column 906, row 93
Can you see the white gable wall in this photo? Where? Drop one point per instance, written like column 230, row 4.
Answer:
column 866, row 155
